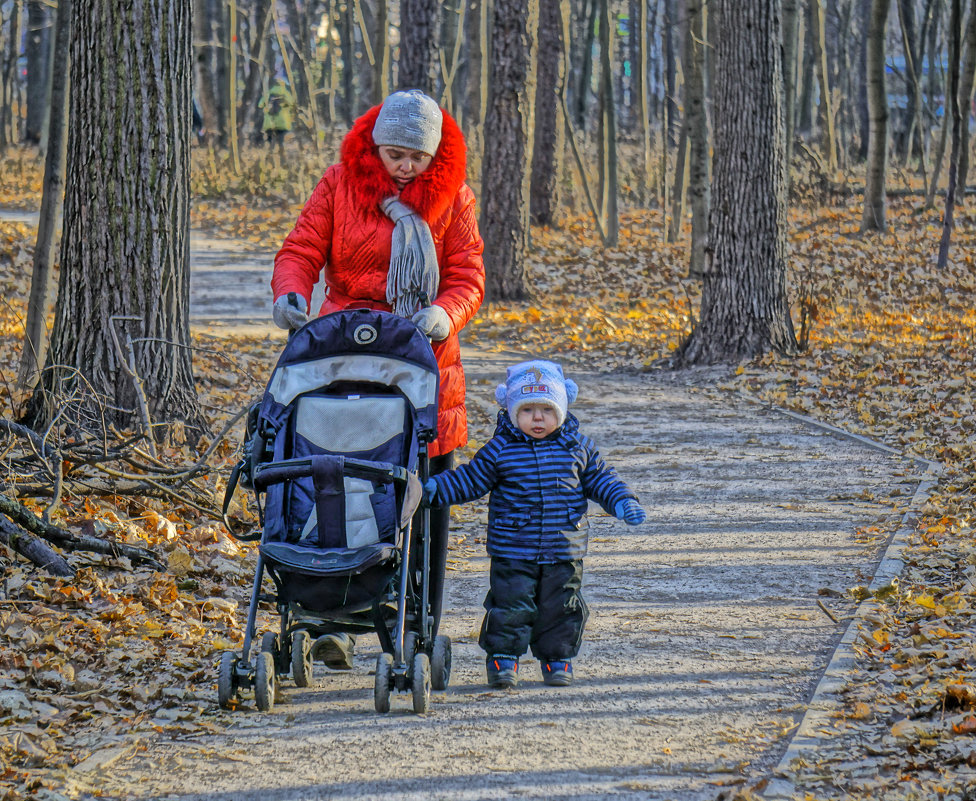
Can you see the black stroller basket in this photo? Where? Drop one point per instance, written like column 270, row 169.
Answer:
column 336, row 454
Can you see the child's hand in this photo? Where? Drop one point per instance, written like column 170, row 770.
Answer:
column 430, row 491
column 629, row 511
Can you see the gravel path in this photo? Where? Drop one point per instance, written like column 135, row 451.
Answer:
column 710, row 625
column 709, row 628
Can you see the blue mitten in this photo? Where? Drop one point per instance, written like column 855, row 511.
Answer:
column 430, row 491
column 629, row 511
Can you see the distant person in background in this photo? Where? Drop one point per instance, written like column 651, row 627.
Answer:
column 393, row 227
column 198, row 131
column 277, row 105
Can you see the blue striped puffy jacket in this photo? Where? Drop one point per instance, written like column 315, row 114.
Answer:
column 539, row 490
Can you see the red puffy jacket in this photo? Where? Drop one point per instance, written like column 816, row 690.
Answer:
column 343, row 229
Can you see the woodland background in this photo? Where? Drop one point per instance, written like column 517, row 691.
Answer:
column 610, row 155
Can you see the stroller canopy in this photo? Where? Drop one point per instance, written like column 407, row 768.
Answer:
column 357, row 345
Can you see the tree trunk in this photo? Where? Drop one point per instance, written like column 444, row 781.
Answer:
column 233, row 39
column 329, row 83
column 937, row 161
column 861, row 83
column 699, row 189
column 670, row 66
column 203, row 75
column 548, row 141
column 419, row 45
column 826, row 111
column 477, row 35
column 679, row 193
column 847, row 74
column 452, row 61
column 9, row 93
column 744, row 306
column 508, row 130
column 52, row 202
column 608, row 128
column 295, row 48
column 221, row 40
column 381, row 53
column 36, row 50
column 791, row 27
column 585, row 72
column 348, row 59
column 952, row 98
column 873, row 217
column 629, row 77
column 966, row 98
column 807, row 70
column 363, row 35
column 251, row 118
column 936, row 71
column 665, row 115
column 643, row 101
column 930, row 15
column 902, row 133
column 125, row 245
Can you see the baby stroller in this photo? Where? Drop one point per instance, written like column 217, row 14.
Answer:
column 337, row 449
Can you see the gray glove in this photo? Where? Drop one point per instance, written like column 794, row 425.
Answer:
column 434, row 322
column 289, row 311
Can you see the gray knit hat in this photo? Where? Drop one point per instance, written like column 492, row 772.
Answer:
column 411, row 120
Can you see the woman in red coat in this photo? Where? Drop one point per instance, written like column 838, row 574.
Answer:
column 393, row 215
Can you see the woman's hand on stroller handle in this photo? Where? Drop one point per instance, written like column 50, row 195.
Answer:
column 430, row 491
column 289, row 311
column 433, row 321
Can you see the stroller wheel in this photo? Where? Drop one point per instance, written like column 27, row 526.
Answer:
column 301, row 658
column 383, row 683
column 264, row 682
column 226, row 683
column 269, row 643
column 421, row 683
column 440, row 662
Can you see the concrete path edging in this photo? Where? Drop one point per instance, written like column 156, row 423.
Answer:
column 824, row 701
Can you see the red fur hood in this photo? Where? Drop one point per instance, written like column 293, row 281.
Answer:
column 430, row 194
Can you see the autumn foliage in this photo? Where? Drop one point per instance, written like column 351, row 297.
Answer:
column 889, row 354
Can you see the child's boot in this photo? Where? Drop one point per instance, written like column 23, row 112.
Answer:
column 557, row 672
column 502, row 671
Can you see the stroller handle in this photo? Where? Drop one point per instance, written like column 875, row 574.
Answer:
column 289, row 469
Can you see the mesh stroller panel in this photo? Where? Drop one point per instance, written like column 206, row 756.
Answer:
column 375, row 428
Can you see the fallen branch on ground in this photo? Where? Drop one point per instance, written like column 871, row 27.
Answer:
column 85, row 464
column 70, row 542
column 33, row 549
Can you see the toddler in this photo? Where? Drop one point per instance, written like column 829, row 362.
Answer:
column 541, row 472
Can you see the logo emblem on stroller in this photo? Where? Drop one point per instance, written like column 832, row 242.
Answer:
column 364, row 334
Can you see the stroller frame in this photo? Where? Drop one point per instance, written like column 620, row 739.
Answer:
column 412, row 659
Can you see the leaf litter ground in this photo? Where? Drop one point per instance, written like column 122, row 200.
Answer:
column 890, row 355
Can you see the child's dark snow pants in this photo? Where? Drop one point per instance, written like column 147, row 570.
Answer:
column 533, row 605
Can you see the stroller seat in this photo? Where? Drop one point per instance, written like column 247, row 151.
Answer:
column 314, row 561
column 338, row 511
column 330, row 524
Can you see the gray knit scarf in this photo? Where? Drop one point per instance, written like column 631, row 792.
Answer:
column 413, row 278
